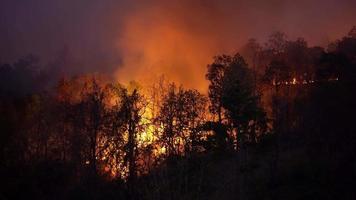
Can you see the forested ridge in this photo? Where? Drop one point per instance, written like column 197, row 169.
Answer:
column 277, row 122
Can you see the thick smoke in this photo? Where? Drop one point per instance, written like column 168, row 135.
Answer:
column 179, row 38
column 144, row 39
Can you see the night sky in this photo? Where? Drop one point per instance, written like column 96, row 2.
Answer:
column 121, row 35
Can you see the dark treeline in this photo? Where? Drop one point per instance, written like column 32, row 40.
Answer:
column 277, row 123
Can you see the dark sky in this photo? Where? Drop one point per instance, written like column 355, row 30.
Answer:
column 106, row 35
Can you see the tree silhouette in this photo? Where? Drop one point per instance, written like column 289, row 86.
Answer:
column 277, row 43
column 181, row 113
column 232, row 89
column 215, row 75
column 240, row 101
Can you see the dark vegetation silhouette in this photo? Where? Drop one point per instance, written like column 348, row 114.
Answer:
column 277, row 123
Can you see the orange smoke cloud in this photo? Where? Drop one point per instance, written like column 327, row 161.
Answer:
column 178, row 38
column 171, row 40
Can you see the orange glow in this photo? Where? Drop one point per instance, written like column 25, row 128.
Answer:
column 163, row 50
column 148, row 135
column 162, row 41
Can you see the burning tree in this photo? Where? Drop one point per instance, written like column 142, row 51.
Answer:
column 181, row 113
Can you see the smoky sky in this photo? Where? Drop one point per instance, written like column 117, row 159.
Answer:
column 106, row 35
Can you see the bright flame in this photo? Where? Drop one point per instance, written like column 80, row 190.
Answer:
column 294, row 81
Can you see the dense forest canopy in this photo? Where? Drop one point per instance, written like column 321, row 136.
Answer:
column 271, row 112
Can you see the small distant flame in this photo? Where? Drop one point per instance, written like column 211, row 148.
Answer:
column 294, row 81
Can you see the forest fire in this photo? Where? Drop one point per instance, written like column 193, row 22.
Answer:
column 174, row 100
column 295, row 81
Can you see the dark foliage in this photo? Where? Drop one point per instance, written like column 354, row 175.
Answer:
column 280, row 127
